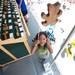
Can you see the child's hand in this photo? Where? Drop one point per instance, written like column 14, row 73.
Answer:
column 48, row 40
column 49, row 46
column 37, row 41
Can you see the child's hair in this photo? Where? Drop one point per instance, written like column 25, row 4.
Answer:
column 40, row 33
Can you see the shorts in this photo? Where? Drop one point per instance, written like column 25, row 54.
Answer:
column 24, row 12
column 23, row 7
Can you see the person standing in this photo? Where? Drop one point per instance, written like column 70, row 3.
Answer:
column 23, row 7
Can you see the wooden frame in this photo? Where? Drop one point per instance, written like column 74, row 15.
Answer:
column 18, row 40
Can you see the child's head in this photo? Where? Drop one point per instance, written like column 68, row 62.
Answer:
column 42, row 37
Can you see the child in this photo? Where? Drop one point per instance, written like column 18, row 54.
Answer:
column 41, row 46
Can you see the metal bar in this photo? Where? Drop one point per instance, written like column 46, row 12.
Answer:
column 62, row 45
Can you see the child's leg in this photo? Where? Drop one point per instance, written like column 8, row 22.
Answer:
column 25, row 14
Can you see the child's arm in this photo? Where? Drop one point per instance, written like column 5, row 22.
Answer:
column 49, row 46
column 34, row 47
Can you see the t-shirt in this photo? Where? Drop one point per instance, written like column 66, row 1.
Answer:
column 42, row 52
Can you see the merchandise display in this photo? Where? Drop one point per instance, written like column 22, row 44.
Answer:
column 12, row 32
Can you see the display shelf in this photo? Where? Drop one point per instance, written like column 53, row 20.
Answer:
column 13, row 30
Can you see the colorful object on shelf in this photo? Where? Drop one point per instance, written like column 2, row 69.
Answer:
column 51, row 36
column 8, row 16
column 68, row 51
column 69, row 48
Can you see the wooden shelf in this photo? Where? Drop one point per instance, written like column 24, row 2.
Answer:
column 16, row 30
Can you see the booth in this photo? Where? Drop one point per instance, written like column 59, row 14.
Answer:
column 14, row 33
